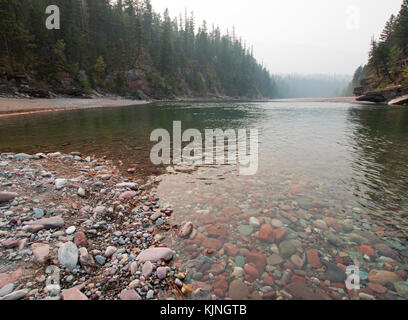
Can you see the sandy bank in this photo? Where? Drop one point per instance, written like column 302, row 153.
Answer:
column 15, row 106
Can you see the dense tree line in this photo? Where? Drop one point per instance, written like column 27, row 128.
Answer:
column 388, row 63
column 99, row 39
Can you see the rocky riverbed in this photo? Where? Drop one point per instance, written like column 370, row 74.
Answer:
column 72, row 228
column 254, row 239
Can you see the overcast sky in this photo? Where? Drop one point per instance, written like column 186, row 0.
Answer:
column 297, row 36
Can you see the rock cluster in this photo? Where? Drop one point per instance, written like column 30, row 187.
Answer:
column 96, row 234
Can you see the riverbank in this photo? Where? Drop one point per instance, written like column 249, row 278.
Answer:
column 17, row 106
column 328, row 100
column 73, row 228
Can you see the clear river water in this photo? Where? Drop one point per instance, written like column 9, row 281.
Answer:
column 331, row 190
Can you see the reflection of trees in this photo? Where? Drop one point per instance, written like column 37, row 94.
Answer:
column 122, row 133
column 379, row 141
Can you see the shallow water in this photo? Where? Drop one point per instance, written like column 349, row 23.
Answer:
column 333, row 176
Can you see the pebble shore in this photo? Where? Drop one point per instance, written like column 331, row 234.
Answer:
column 73, row 228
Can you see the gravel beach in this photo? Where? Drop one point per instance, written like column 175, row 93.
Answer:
column 15, row 106
column 72, row 228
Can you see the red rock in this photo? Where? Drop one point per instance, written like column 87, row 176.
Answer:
column 258, row 259
column 322, row 294
column 40, row 251
column 10, row 243
column 295, row 190
column 7, row 278
column 127, row 195
column 129, row 295
column 279, row 234
column 269, row 295
column 368, row 250
column 186, row 230
column 218, row 201
column 222, row 285
column 207, row 218
column 249, row 278
column 232, row 211
column 296, row 278
column 217, row 231
column 35, row 228
column 80, row 239
column 219, row 293
column 268, row 280
column 313, row 258
column 211, row 243
column 338, row 285
column 266, row 233
column 73, row 294
column 352, row 293
column 377, row 287
column 401, row 273
column 231, row 249
column 251, row 270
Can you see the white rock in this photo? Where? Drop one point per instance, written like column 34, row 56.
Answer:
column 70, row 230
column 254, row 222
column 81, row 192
column 238, row 272
column 60, row 183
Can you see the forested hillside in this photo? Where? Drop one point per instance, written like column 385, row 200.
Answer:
column 122, row 47
column 388, row 58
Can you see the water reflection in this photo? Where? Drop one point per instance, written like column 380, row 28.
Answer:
column 379, row 143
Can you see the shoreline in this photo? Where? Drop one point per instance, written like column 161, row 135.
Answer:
column 331, row 100
column 18, row 106
column 23, row 106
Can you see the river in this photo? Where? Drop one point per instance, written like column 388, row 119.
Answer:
column 332, row 179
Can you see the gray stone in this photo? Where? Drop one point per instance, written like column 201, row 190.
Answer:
column 101, row 260
column 48, row 223
column 7, row 196
column 16, row 295
column 334, row 273
column 287, row 248
column 60, row 183
column 68, row 255
column 7, row 289
column 245, row 230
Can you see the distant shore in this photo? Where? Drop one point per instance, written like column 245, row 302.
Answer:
column 334, row 100
column 18, row 106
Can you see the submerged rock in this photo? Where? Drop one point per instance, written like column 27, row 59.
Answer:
column 238, row 290
column 186, row 230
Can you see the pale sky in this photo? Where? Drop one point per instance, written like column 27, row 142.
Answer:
column 297, row 36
